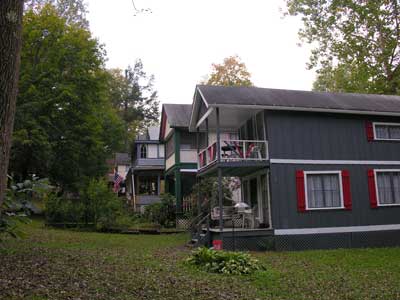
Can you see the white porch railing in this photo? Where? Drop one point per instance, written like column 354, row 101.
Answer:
column 234, row 150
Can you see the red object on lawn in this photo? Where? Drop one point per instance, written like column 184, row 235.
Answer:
column 217, row 244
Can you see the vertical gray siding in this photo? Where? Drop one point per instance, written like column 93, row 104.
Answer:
column 294, row 135
column 298, row 135
column 284, row 200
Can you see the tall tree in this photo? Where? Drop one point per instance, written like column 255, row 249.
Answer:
column 65, row 124
column 10, row 48
column 232, row 72
column 133, row 95
column 356, row 43
column 73, row 11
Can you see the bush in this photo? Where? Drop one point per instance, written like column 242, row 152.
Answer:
column 62, row 210
column 223, row 262
column 103, row 206
column 162, row 213
column 96, row 204
column 21, row 200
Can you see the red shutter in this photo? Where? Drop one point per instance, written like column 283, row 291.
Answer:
column 346, row 189
column 201, row 158
column 372, row 189
column 301, row 193
column 370, row 131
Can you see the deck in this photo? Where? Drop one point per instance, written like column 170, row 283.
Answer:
column 236, row 158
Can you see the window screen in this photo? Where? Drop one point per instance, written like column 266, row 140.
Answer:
column 388, row 184
column 323, row 190
column 389, row 132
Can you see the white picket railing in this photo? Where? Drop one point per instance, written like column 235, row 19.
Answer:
column 234, row 150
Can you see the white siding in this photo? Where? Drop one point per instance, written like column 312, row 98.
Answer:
column 170, row 162
column 162, row 150
column 212, row 137
column 152, row 151
column 188, row 156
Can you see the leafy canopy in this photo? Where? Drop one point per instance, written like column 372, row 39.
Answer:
column 73, row 11
column 356, row 43
column 232, row 72
column 65, row 125
column 134, row 97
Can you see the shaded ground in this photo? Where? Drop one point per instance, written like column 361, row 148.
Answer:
column 61, row 264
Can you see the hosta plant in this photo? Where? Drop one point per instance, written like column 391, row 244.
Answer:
column 224, row 262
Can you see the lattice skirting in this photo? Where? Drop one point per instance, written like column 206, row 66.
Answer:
column 267, row 242
column 388, row 238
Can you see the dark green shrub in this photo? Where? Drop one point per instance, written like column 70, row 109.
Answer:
column 162, row 213
column 103, row 206
column 62, row 210
column 224, row 262
column 96, row 204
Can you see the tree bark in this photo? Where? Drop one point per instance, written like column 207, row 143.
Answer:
column 10, row 52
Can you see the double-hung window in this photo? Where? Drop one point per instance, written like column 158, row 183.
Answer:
column 386, row 131
column 387, row 187
column 323, row 189
column 143, row 151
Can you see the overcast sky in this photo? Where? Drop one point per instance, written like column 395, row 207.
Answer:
column 180, row 40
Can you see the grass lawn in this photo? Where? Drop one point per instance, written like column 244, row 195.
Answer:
column 62, row 264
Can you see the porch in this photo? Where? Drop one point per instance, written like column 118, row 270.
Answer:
column 235, row 157
column 234, row 145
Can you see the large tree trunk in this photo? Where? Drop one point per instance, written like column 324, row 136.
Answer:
column 10, row 50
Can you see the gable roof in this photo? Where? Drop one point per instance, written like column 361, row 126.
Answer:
column 178, row 115
column 154, row 132
column 122, row 158
column 300, row 100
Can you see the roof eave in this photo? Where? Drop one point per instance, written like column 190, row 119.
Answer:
column 308, row 109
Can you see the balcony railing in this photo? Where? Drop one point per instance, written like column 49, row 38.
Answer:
column 234, row 150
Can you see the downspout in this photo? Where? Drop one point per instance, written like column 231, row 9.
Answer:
column 220, row 196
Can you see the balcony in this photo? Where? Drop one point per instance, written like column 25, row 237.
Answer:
column 148, row 163
column 234, row 151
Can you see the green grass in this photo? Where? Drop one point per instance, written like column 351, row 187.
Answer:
column 63, row 264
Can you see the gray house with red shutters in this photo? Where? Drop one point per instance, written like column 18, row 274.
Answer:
column 317, row 170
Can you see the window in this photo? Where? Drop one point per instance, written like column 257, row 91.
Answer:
column 323, row 190
column 143, row 151
column 388, row 187
column 253, row 128
column 148, row 185
column 161, row 151
column 387, row 131
column 187, row 140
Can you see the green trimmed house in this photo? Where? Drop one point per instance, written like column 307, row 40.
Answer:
column 145, row 179
column 180, row 151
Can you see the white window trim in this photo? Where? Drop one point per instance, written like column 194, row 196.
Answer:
column 376, row 185
column 385, row 124
column 339, row 173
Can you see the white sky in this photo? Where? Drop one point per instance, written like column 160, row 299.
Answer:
column 180, row 40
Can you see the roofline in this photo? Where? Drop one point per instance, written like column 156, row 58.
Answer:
column 147, row 141
column 194, row 106
column 205, row 116
column 312, row 109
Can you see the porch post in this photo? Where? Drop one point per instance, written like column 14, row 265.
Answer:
column 197, row 177
column 178, row 191
column 158, row 184
column 166, row 184
column 220, row 196
column 133, row 191
column 206, row 132
column 218, row 137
